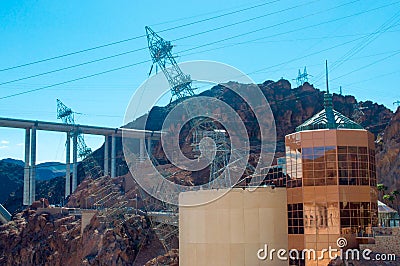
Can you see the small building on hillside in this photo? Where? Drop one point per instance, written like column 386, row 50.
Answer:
column 387, row 217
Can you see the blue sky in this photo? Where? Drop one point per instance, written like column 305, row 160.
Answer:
column 358, row 38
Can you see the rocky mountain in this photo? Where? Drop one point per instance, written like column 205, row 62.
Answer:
column 290, row 107
column 11, row 176
column 13, row 161
column 50, row 182
column 52, row 190
column 49, row 170
column 44, row 171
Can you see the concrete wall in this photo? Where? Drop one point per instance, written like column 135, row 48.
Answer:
column 230, row 230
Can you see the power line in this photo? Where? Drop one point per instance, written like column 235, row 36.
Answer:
column 196, row 34
column 195, row 16
column 136, row 37
column 73, row 80
column 304, row 56
column 251, row 19
column 373, row 78
column 288, row 21
column 356, row 58
column 283, row 33
column 144, row 48
column 72, row 66
column 393, row 53
column 390, row 23
column 323, row 49
column 127, row 66
column 305, row 39
column 368, row 65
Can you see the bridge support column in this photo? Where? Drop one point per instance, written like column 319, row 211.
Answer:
column 113, row 156
column 26, row 197
column 141, row 150
column 68, row 166
column 32, row 181
column 106, row 155
column 149, row 147
column 74, row 161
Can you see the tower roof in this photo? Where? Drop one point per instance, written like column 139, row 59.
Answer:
column 328, row 118
column 323, row 120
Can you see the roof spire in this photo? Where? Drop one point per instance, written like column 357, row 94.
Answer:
column 328, row 118
column 326, row 76
column 328, row 102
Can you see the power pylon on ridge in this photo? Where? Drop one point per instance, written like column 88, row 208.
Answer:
column 90, row 166
column 396, row 103
column 181, row 87
column 302, row 77
column 160, row 51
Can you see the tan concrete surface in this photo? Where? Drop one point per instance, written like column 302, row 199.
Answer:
column 230, row 230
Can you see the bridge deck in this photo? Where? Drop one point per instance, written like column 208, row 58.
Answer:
column 85, row 129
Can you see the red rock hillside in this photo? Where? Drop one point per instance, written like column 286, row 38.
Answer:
column 388, row 154
column 35, row 237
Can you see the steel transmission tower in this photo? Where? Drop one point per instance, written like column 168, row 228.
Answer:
column 160, row 51
column 181, row 87
column 90, row 166
column 302, row 77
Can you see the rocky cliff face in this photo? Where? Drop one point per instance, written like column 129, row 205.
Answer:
column 35, row 237
column 388, row 154
column 39, row 239
column 171, row 258
column 290, row 107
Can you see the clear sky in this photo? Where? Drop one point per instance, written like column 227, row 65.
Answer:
column 276, row 38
